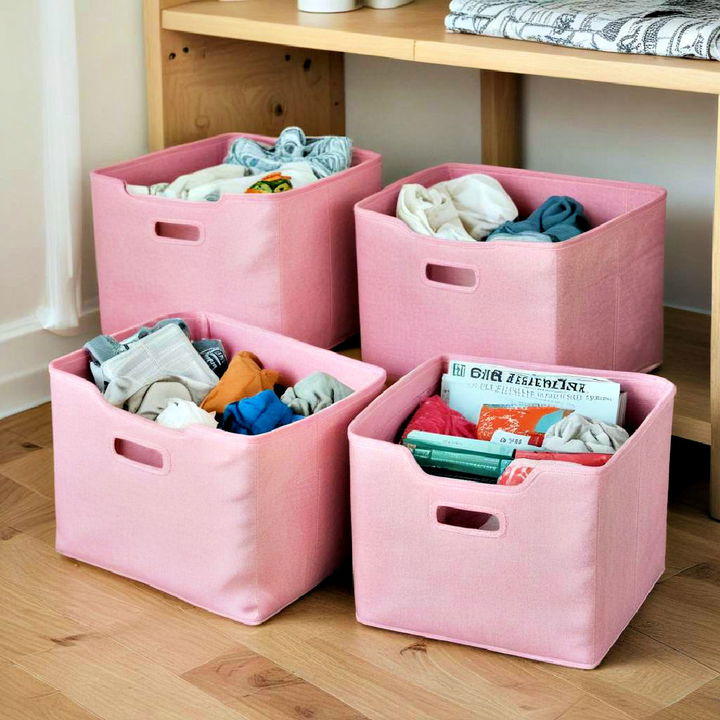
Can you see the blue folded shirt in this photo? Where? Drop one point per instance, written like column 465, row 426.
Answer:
column 559, row 218
column 258, row 414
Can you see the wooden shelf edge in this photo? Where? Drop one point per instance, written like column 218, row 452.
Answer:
column 416, row 32
column 686, row 362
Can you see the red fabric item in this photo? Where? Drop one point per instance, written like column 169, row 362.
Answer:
column 517, row 474
column 434, row 416
column 590, row 459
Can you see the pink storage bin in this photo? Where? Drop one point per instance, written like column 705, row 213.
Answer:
column 285, row 262
column 594, row 300
column 560, row 566
column 241, row 526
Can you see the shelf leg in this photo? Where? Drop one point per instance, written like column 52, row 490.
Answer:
column 500, row 116
column 200, row 86
column 715, row 341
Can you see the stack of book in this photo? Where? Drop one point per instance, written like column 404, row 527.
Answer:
column 512, row 409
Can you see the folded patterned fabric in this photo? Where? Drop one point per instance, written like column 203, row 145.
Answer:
column 257, row 414
column 289, row 176
column 558, row 218
column 210, row 184
column 164, row 354
column 193, row 186
column 326, row 155
column 103, row 347
column 465, row 208
column 645, row 27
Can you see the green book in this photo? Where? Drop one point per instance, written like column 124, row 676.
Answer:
column 459, row 455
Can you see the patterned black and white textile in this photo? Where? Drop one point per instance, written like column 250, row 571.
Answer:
column 644, row 27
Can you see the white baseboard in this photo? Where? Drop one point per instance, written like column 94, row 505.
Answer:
column 25, row 351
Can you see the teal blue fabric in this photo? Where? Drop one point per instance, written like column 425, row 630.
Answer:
column 257, row 414
column 326, row 155
column 559, row 218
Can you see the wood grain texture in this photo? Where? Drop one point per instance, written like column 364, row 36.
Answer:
column 686, row 362
column 715, row 338
column 199, row 86
column 79, row 643
column 24, row 697
column 417, row 32
column 500, row 115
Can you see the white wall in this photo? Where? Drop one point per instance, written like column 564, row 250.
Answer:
column 113, row 127
column 21, row 212
column 415, row 115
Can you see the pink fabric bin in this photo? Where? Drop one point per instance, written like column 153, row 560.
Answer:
column 241, row 526
column 285, row 262
column 558, row 573
column 594, row 300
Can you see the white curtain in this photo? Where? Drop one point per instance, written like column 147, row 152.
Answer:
column 62, row 174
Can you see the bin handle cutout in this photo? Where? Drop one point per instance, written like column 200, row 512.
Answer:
column 462, row 519
column 147, row 458
column 179, row 232
column 454, row 277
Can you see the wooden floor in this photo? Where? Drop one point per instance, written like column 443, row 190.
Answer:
column 79, row 643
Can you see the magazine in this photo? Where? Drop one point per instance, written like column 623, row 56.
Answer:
column 468, row 386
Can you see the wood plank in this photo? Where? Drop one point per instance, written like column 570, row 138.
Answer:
column 118, row 684
column 417, row 32
column 682, row 613
column 34, row 472
column 246, row 681
column 640, row 676
column 500, row 118
column 687, row 363
column 199, row 86
column 26, row 698
column 215, row 85
column 22, row 509
column 34, row 426
column 29, row 626
column 154, row 52
column 591, row 708
column 365, row 32
column 504, row 686
column 176, row 639
column 715, row 339
column 703, row 704
column 34, row 571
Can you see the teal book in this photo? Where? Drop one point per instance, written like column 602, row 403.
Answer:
column 459, row 455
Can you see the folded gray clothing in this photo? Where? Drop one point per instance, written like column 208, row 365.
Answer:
column 151, row 400
column 104, row 347
column 579, row 434
column 213, row 353
column 165, row 353
column 314, row 393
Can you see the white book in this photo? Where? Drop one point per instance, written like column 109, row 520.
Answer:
column 467, row 386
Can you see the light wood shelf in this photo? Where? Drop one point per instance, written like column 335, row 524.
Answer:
column 687, row 364
column 416, row 32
